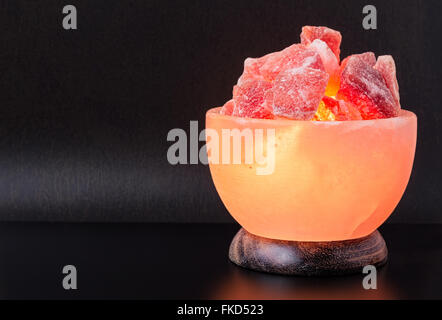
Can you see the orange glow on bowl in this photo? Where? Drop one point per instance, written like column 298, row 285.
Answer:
column 332, row 180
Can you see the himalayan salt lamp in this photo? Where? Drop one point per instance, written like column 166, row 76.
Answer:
column 332, row 184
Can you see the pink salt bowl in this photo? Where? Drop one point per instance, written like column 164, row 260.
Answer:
column 332, row 181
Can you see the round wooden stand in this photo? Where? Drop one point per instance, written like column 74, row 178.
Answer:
column 307, row 258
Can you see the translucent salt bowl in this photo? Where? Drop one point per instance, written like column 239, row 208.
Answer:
column 330, row 181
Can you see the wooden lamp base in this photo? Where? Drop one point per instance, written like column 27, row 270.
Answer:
column 307, row 258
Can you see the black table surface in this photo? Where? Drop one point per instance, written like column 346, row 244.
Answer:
column 189, row 261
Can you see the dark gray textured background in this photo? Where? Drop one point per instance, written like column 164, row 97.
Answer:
column 84, row 114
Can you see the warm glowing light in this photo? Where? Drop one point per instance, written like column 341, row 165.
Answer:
column 323, row 113
column 331, row 181
column 332, row 86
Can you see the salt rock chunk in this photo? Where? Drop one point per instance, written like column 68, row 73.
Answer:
column 369, row 57
column 341, row 110
column 295, row 56
column 297, row 92
column 331, row 37
column 331, row 65
column 252, row 65
column 364, row 87
column 386, row 66
column 250, row 99
column 251, row 69
column 227, row 108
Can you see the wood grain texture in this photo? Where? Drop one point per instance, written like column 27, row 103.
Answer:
column 307, row 258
